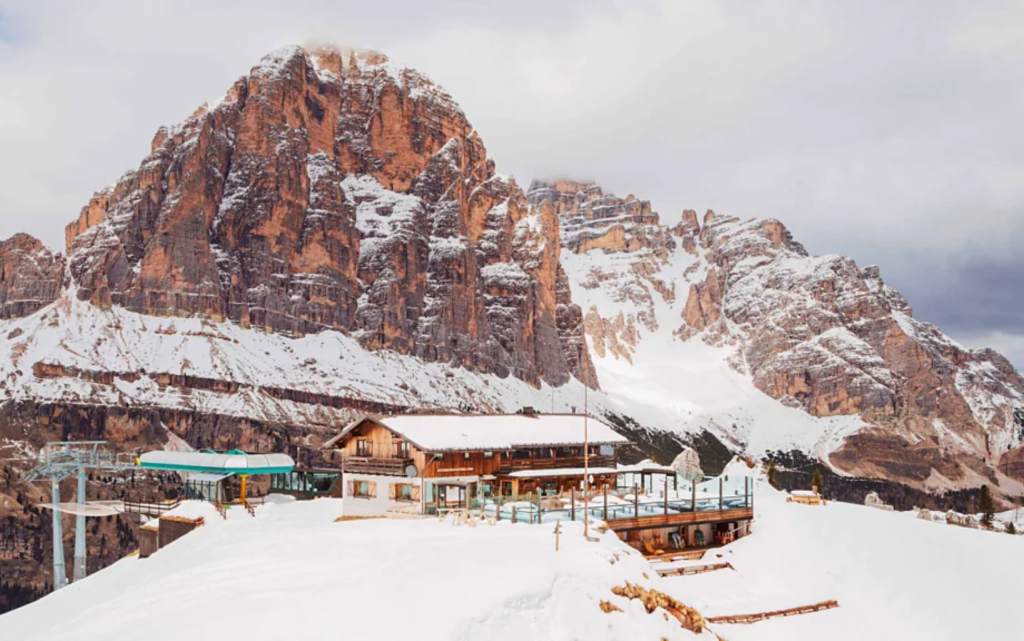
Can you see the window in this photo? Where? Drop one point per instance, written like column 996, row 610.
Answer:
column 401, row 449
column 405, row 492
column 543, row 452
column 521, row 454
column 363, row 447
column 362, row 489
column 568, row 452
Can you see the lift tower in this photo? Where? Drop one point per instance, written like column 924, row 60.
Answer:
column 58, row 461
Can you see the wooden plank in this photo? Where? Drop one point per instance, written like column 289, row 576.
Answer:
column 694, row 569
column 761, row 616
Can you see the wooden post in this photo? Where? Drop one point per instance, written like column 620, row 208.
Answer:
column 513, row 512
column 572, row 502
column 719, row 493
column 636, row 501
column 666, row 495
column 558, row 530
column 693, row 495
column 606, row 503
column 244, row 477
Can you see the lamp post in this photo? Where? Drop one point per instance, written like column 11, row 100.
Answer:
column 586, row 438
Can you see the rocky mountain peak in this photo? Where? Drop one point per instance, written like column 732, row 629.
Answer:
column 333, row 189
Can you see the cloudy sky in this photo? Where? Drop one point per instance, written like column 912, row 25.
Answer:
column 891, row 132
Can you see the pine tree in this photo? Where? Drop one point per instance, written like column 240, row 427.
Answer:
column 985, row 506
column 816, row 482
column 770, row 472
column 1011, row 528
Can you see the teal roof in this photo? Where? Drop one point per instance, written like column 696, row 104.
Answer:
column 233, row 462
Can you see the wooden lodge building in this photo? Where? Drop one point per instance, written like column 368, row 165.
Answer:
column 436, row 461
column 530, row 467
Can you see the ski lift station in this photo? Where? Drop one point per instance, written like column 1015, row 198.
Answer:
column 207, row 472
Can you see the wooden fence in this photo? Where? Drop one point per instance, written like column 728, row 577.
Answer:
column 761, row 616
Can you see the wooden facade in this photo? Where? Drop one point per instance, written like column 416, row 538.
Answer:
column 373, row 449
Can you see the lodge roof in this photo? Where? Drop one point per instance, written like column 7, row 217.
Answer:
column 472, row 432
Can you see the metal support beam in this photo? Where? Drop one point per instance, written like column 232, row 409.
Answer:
column 59, row 575
column 79, row 569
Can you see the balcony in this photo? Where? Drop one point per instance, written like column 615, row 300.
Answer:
column 519, row 464
column 383, row 466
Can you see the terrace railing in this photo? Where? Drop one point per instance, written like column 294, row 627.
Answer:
column 625, row 510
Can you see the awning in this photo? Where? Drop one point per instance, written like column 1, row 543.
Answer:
column 565, row 471
column 646, row 468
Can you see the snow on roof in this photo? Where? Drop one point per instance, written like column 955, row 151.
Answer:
column 436, row 433
column 218, row 462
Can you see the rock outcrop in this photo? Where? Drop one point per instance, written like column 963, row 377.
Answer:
column 30, row 276
column 822, row 332
column 330, row 189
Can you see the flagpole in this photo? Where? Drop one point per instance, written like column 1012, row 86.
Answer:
column 586, row 446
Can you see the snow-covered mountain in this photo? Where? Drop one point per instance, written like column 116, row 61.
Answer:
column 732, row 326
column 331, row 238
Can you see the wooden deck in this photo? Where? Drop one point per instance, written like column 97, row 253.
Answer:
column 681, row 518
column 761, row 616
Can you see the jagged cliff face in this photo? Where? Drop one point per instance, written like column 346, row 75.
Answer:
column 893, row 397
column 331, row 190
column 30, row 276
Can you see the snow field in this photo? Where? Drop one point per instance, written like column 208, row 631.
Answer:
column 895, row 576
column 294, row 573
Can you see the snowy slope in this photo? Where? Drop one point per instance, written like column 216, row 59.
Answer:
column 294, row 573
column 78, row 344
column 895, row 576
column 684, row 385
